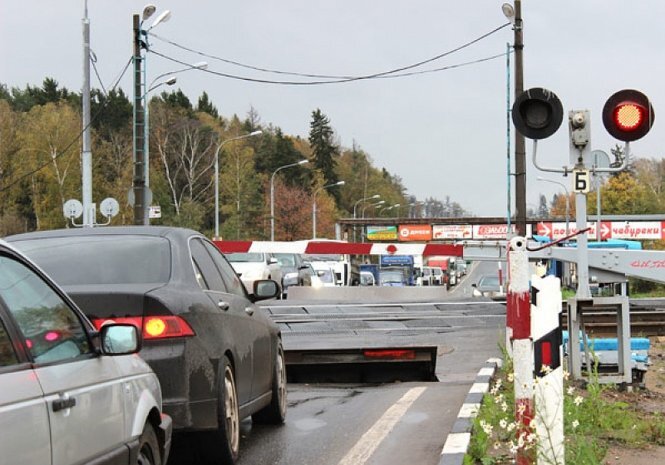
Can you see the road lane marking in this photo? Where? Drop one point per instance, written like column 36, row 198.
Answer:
column 369, row 441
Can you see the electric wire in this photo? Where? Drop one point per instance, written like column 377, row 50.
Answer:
column 311, row 83
column 76, row 139
column 93, row 60
column 334, row 78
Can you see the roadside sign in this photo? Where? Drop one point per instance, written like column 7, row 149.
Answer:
column 155, row 211
column 581, row 182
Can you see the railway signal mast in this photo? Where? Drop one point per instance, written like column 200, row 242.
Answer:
column 628, row 116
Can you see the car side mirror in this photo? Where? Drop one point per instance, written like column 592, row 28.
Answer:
column 474, row 285
column 265, row 289
column 119, row 339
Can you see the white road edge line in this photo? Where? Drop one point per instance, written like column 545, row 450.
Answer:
column 369, row 441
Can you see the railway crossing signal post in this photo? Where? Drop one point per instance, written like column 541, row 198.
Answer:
column 627, row 115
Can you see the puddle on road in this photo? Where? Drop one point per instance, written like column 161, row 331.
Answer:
column 309, row 424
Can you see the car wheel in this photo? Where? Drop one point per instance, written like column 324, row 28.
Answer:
column 148, row 447
column 222, row 446
column 275, row 413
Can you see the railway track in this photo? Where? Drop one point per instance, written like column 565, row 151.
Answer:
column 646, row 319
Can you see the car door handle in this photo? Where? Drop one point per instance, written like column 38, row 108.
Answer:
column 249, row 311
column 63, row 403
column 223, row 305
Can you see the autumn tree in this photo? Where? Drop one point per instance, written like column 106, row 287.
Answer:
column 186, row 151
column 292, row 214
column 48, row 153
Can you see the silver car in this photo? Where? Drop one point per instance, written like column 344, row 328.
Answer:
column 70, row 394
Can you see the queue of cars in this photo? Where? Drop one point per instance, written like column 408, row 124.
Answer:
column 168, row 294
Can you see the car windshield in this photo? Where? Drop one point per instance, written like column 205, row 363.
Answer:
column 391, row 277
column 244, row 257
column 285, row 259
column 107, row 259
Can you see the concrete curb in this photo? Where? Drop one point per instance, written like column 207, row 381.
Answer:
column 459, row 438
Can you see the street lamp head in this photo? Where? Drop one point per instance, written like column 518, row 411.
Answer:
column 380, row 202
column 508, row 12
column 148, row 11
column 255, row 133
column 165, row 16
column 303, row 162
column 397, row 205
column 340, row 183
column 200, row 65
column 376, row 196
column 171, row 81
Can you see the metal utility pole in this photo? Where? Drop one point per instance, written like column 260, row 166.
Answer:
column 520, row 150
column 138, row 183
column 86, row 153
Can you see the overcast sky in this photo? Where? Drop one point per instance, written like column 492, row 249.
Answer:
column 443, row 133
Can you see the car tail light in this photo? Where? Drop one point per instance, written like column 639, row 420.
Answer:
column 153, row 327
column 391, row 354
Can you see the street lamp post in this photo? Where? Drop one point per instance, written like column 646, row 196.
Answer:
column 339, row 183
column 374, row 205
column 375, row 196
column 140, row 42
column 272, row 195
column 565, row 189
column 221, row 144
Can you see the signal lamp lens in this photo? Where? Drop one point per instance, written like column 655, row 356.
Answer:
column 628, row 116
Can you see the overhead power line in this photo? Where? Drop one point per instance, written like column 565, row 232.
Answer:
column 311, row 83
column 333, row 79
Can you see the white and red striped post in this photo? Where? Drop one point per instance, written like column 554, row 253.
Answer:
column 518, row 330
column 548, row 369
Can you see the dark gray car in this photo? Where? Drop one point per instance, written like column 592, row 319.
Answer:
column 217, row 356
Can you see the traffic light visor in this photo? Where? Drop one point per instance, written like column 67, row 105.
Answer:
column 537, row 113
column 628, row 115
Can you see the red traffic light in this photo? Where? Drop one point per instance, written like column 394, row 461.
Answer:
column 628, row 115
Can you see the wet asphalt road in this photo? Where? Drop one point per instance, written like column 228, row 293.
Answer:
column 387, row 424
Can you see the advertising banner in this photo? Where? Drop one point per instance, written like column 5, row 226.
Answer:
column 632, row 230
column 452, row 231
column 496, row 231
column 381, row 233
column 415, row 232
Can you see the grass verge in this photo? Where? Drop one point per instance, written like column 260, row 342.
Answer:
column 596, row 416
